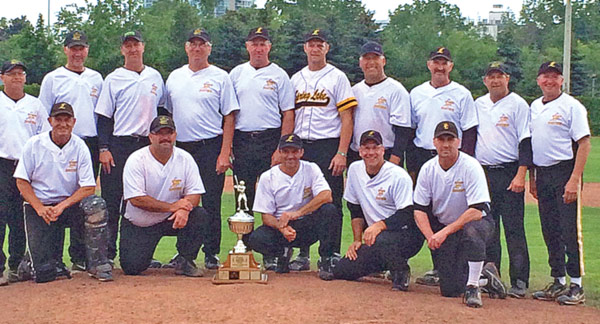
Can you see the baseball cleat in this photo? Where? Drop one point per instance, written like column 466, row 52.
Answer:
column 270, row 263
column 400, row 279
column 172, row 263
column 155, row 264
column 552, row 291
column 102, row 272
column 326, row 267
column 187, row 268
column 574, row 296
column 495, row 287
column 3, row 280
column 211, row 262
column 283, row 261
column 12, row 276
column 472, row 297
column 431, row 278
column 518, row 290
column 78, row 267
column 301, row 263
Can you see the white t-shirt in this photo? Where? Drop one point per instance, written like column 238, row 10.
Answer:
column 451, row 192
column 132, row 98
column 320, row 97
column 81, row 91
column 381, row 196
column 144, row 175
column 502, row 126
column 553, row 126
column 277, row 192
column 18, row 122
column 55, row 173
column 262, row 94
column 379, row 107
column 199, row 100
column 430, row 106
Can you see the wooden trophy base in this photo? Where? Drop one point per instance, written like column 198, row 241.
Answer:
column 240, row 268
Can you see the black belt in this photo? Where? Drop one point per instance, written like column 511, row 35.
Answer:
column 501, row 165
column 307, row 141
column 4, row 161
column 558, row 166
column 258, row 134
column 202, row 141
column 132, row 138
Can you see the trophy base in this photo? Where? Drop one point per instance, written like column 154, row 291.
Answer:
column 240, row 268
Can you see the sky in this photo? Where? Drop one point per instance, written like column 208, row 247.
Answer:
column 474, row 9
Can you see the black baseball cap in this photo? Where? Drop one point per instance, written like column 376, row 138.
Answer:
column 134, row 34
column 160, row 122
column 496, row 67
column 290, row 140
column 550, row 66
column 9, row 65
column 76, row 38
column 258, row 32
column 445, row 128
column 316, row 34
column 61, row 108
column 371, row 135
column 371, row 47
column 442, row 52
column 199, row 33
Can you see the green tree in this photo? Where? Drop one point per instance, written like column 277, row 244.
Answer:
column 509, row 52
column 36, row 50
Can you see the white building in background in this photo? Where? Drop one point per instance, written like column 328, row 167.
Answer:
column 220, row 9
column 494, row 20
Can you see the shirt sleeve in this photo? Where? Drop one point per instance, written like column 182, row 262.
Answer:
column 168, row 100
column 350, row 192
column 264, row 198
column 423, row 191
column 402, row 190
column 343, row 94
column 24, row 168
column 85, row 171
column 46, row 94
column 286, row 94
column 413, row 117
column 468, row 117
column 400, row 108
column 319, row 184
column 193, row 181
column 579, row 123
column 42, row 119
column 522, row 120
column 476, row 188
column 228, row 99
column 106, row 102
column 134, row 180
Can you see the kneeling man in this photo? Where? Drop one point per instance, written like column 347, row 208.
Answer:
column 379, row 196
column 452, row 189
column 295, row 202
column 162, row 187
column 56, row 180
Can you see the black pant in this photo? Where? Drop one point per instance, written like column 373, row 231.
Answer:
column 45, row 241
column 112, row 184
column 205, row 154
column 559, row 220
column 11, row 214
column 416, row 157
column 317, row 226
column 508, row 206
column 468, row 244
column 137, row 244
column 391, row 251
column 321, row 152
column 252, row 151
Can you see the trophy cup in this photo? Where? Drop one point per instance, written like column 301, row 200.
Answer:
column 240, row 265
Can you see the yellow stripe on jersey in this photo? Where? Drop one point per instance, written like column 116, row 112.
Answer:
column 347, row 104
column 579, row 232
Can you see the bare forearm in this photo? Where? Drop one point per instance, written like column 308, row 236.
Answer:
column 358, row 226
column 270, row 221
column 151, row 204
column 346, row 131
column 287, row 123
column 228, row 127
column 194, row 199
column 322, row 198
column 77, row 196
column 423, row 223
column 28, row 194
column 469, row 215
column 583, row 152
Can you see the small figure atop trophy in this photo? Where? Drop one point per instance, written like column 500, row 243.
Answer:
column 240, row 265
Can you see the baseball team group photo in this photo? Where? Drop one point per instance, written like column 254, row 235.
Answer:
column 246, row 193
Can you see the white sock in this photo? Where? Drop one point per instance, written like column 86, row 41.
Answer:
column 483, row 282
column 576, row 281
column 474, row 273
column 562, row 280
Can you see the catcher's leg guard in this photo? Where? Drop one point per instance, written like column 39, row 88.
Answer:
column 96, row 232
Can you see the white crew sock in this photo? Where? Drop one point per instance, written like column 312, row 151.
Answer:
column 562, row 280
column 576, row 281
column 474, row 273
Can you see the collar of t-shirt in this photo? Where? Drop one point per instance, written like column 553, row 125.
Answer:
column 52, row 140
column 545, row 102
column 78, row 72
column 376, row 83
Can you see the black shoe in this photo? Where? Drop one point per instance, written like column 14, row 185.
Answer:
column 283, row 261
column 430, row 278
column 187, row 268
column 518, row 290
column 270, row 263
column 211, row 262
column 326, row 267
column 575, row 296
column 494, row 287
column 172, row 263
column 301, row 263
column 400, row 279
column 472, row 297
column 552, row 291
column 78, row 266
column 61, row 270
column 155, row 264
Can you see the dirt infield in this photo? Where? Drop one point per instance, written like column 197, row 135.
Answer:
column 161, row 297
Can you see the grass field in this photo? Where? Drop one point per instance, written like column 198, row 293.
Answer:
column 592, row 167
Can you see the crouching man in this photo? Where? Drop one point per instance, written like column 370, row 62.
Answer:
column 295, row 202
column 162, row 188
column 56, row 180
column 379, row 196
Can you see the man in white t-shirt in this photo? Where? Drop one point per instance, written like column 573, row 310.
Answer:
column 203, row 102
column 452, row 211
column 56, row 181
column 379, row 196
column 162, row 189
column 560, row 141
column 128, row 102
column 21, row 116
column 295, row 202
column 79, row 86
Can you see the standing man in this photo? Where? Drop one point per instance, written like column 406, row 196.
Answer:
column 295, row 202
column 56, row 181
column 383, row 105
column 127, row 104
column 560, row 139
column 202, row 100
column 452, row 188
column 266, row 98
column 162, row 187
column 323, row 120
column 504, row 150
column 432, row 102
column 79, row 86
column 379, row 196
column 21, row 117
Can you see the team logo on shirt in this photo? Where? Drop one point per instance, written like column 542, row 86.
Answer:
column 459, row 186
column 154, row 89
column 31, row 118
column 176, row 185
column 556, row 119
column 270, row 84
column 307, row 193
column 503, row 121
column 94, row 92
column 448, row 105
column 380, row 194
column 381, row 103
column 206, row 87
column 318, row 98
column 72, row 167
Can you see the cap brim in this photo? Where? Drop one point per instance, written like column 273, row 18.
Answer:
column 495, row 70
column 294, row 145
column 77, row 43
column 124, row 39
column 258, row 36
column 550, row 69
column 62, row 113
column 199, row 37
column 370, row 52
column 11, row 67
column 441, row 56
column 156, row 129
column 446, row 133
column 321, row 38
